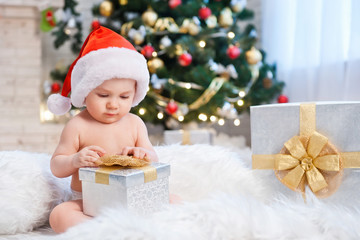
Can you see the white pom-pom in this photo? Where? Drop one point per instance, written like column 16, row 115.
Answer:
column 59, row 104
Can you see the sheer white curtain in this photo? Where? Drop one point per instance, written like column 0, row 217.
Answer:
column 316, row 46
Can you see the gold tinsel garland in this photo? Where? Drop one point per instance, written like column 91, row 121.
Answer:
column 212, row 89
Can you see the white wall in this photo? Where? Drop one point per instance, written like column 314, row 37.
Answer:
column 20, row 79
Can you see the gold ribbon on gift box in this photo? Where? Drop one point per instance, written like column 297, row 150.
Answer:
column 308, row 159
column 102, row 174
column 186, row 137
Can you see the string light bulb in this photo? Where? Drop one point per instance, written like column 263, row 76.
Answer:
column 160, row 115
column 240, row 102
column 48, row 116
column 213, row 118
column 154, row 54
column 181, row 118
column 67, row 31
column 231, row 35
column 237, row 122
column 242, row 94
column 142, row 111
column 188, row 85
column 202, row 43
column 221, row 122
column 202, row 117
column 45, row 114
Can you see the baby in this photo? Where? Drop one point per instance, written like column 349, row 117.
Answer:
column 109, row 77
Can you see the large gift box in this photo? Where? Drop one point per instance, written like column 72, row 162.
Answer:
column 141, row 190
column 307, row 144
column 188, row 137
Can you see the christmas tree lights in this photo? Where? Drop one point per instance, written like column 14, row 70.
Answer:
column 204, row 67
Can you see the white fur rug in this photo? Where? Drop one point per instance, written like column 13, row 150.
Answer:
column 222, row 199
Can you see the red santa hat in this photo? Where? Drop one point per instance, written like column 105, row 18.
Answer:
column 103, row 56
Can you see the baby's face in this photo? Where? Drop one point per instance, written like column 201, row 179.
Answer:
column 112, row 100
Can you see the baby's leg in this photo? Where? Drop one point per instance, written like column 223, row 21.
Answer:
column 66, row 215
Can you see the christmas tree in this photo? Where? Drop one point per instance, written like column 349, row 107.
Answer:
column 204, row 66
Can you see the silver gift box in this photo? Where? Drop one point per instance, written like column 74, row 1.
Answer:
column 199, row 136
column 125, row 187
column 274, row 124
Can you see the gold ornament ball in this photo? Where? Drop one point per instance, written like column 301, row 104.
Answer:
column 211, row 21
column 138, row 38
column 267, row 83
column 123, row 2
column 225, row 18
column 237, row 7
column 178, row 49
column 185, row 26
column 194, row 29
column 253, row 56
column 106, row 8
column 149, row 17
column 154, row 64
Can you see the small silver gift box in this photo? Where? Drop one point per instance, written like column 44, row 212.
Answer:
column 188, row 137
column 141, row 190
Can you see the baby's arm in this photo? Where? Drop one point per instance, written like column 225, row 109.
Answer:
column 143, row 147
column 67, row 158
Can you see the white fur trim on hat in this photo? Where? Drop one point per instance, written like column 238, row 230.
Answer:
column 94, row 68
column 58, row 104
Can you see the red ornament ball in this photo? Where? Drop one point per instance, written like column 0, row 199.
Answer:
column 185, row 59
column 174, row 3
column 95, row 24
column 233, row 52
column 147, row 51
column 204, row 13
column 55, row 87
column 171, row 107
column 283, row 99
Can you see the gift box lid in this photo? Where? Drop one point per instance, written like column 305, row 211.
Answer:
column 273, row 124
column 126, row 177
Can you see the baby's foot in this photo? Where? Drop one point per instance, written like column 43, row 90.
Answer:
column 175, row 199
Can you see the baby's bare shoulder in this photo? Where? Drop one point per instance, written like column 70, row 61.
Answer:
column 77, row 122
column 134, row 119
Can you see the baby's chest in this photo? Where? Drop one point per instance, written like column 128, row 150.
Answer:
column 112, row 140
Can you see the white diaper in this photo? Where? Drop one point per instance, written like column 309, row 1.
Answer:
column 76, row 195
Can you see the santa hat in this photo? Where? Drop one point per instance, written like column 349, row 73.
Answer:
column 103, row 56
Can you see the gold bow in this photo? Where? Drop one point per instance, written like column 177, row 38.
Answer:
column 303, row 161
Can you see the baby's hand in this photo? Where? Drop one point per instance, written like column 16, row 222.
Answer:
column 87, row 156
column 137, row 152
